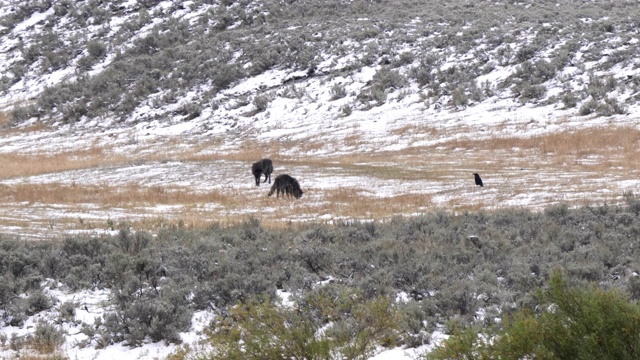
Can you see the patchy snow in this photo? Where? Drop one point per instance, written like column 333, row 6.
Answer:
column 301, row 113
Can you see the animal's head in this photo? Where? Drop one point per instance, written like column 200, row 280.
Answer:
column 297, row 193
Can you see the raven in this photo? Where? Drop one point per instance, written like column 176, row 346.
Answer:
column 478, row 179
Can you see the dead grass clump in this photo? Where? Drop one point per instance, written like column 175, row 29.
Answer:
column 358, row 204
column 353, row 140
column 582, row 142
column 56, row 193
column 416, row 129
column 35, row 164
column 27, row 356
column 4, row 118
column 249, row 151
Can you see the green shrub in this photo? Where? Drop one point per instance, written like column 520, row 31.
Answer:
column 598, row 88
column 46, row 338
column 569, row 99
column 611, row 106
column 141, row 312
column 386, row 79
column 459, row 98
column 261, row 102
column 576, row 323
column 346, row 109
column 337, row 91
column 260, row 329
column 67, row 311
column 38, row 301
column 96, row 49
column 588, row 107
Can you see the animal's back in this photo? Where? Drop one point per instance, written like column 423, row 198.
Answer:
column 286, row 185
column 267, row 166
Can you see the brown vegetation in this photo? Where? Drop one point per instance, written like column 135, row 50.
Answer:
column 512, row 167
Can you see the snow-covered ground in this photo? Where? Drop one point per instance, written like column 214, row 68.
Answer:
column 311, row 126
column 91, row 306
column 441, row 175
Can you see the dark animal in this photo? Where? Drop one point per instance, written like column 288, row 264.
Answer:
column 264, row 166
column 478, row 179
column 286, row 185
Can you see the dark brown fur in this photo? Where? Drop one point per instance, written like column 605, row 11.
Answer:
column 264, row 166
column 286, row 185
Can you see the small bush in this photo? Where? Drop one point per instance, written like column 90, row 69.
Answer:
column 598, row 88
column 67, row 311
column 38, row 301
column 190, row 110
column 576, row 324
column 96, row 49
column 611, row 106
column 386, row 79
column 459, row 98
column 261, row 329
column 569, row 99
column 337, row 92
column 261, row 102
column 526, row 52
column 46, row 338
column 588, row 108
column 346, row 110
column 143, row 312
column 405, row 58
column 530, row 92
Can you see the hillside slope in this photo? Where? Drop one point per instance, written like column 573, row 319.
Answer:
column 139, row 61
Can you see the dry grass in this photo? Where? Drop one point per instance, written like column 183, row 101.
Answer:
column 26, row 356
column 36, row 164
column 582, row 142
column 4, row 118
column 411, row 130
column 105, row 195
column 514, row 167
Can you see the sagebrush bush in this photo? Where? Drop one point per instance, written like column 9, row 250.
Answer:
column 316, row 328
column 46, row 338
column 217, row 46
column 428, row 257
column 337, row 91
column 588, row 107
column 574, row 323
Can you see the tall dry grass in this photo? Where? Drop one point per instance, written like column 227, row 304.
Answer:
column 581, row 142
column 36, row 164
column 4, row 118
column 105, row 195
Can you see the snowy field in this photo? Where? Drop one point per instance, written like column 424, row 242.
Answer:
column 405, row 157
column 398, row 150
column 439, row 176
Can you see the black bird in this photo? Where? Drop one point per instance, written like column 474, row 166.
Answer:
column 478, row 179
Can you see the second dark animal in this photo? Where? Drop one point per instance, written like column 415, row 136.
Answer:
column 264, row 166
column 286, row 185
column 478, row 179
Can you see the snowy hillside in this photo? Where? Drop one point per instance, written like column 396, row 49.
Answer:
column 275, row 66
column 149, row 113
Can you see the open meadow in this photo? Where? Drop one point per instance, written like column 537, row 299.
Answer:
column 131, row 225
